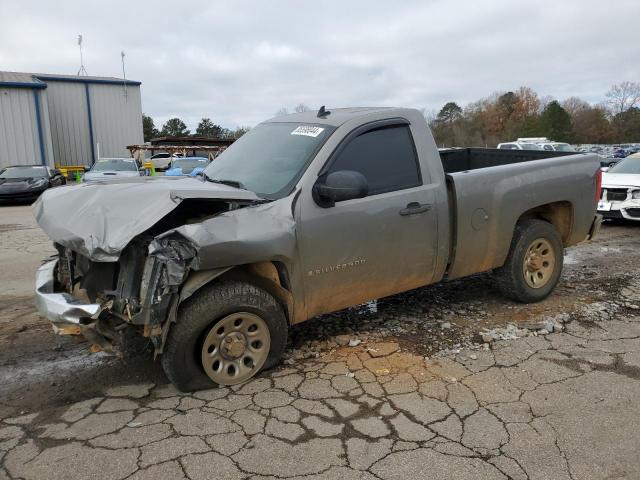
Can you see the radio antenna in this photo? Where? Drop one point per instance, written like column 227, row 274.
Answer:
column 82, row 70
column 124, row 76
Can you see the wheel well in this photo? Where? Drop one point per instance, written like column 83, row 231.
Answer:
column 559, row 214
column 272, row 277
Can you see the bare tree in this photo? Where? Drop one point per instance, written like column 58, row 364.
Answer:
column 623, row 96
column 544, row 101
column 429, row 115
column 573, row 105
column 301, row 108
column 282, row 111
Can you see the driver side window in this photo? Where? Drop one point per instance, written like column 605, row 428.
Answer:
column 385, row 156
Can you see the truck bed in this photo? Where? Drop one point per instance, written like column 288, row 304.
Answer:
column 464, row 159
column 489, row 190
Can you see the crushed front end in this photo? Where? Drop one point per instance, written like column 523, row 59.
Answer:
column 98, row 300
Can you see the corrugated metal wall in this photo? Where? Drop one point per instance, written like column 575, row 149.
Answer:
column 69, row 119
column 46, row 127
column 19, row 141
column 75, row 115
column 117, row 119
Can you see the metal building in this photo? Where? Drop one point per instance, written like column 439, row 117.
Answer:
column 67, row 119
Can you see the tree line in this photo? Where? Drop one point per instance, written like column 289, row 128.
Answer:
column 500, row 117
column 503, row 117
column 175, row 127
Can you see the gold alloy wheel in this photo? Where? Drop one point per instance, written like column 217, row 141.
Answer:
column 539, row 263
column 236, row 348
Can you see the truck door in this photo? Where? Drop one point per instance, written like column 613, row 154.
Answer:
column 366, row 248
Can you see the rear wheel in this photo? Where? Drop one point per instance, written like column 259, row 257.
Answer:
column 225, row 334
column 534, row 264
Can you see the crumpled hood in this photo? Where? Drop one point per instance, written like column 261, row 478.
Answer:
column 99, row 220
column 620, row 180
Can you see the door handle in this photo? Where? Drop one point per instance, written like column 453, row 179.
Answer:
column 414, row 208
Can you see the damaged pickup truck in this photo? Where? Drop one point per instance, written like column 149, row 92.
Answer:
column 306, row 214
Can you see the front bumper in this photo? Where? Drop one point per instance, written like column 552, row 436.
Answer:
column 65, row 312
column 20, row 196
column 627, row 210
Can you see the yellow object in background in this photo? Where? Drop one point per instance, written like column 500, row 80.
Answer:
column 149, row 166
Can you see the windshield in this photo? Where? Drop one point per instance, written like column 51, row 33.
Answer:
column 564, row 147
column 115, row 165
column 23, row 172
column 270, row 158
column 628, row 165
column 188, row 164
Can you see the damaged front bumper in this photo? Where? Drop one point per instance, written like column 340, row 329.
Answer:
column 143, row 296
column 64, row 311
column 71, row 316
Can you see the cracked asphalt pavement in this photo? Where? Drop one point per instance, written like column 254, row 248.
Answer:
column 419, row 396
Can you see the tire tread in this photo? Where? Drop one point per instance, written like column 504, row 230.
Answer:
column 509, row 278
column 195, row 315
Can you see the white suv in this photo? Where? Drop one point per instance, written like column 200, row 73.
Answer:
column 518, row 146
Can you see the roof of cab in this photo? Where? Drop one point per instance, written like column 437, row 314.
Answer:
column 336, row 117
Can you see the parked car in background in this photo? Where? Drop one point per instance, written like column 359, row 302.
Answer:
column 162, row 161
column 620, row 153
column 518, row 146
column 27, row 182
column 537, row 143
column 556, row 147
column 187, row 166
column 621, row 190
column 108, row 168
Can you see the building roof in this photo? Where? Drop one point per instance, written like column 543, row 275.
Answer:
column 39, row 80
column 24, row 80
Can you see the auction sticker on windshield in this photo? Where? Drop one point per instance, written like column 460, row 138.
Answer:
column 308, row 131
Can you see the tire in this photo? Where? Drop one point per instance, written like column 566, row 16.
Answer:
column 515, row 279
column 182, row 359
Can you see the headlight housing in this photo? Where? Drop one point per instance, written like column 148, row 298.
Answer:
column 41, row 182
column 635, row 194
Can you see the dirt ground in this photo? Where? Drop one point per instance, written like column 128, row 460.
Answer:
column 431, row 350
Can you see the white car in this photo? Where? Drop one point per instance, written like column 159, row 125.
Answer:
column 162, row 161
column 537, row 143
column 621, row 190
column 556, row 147
column 108, row 168
column 518, row 146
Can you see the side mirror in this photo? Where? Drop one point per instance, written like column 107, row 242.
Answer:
column 604, row 169
column 339, row 186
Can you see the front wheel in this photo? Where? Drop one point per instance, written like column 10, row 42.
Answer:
column 534, row 263
column 224, row 335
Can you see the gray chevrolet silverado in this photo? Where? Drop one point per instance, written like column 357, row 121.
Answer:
column 306, row 214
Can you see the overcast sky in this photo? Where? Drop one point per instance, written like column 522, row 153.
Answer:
column 238, row 62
